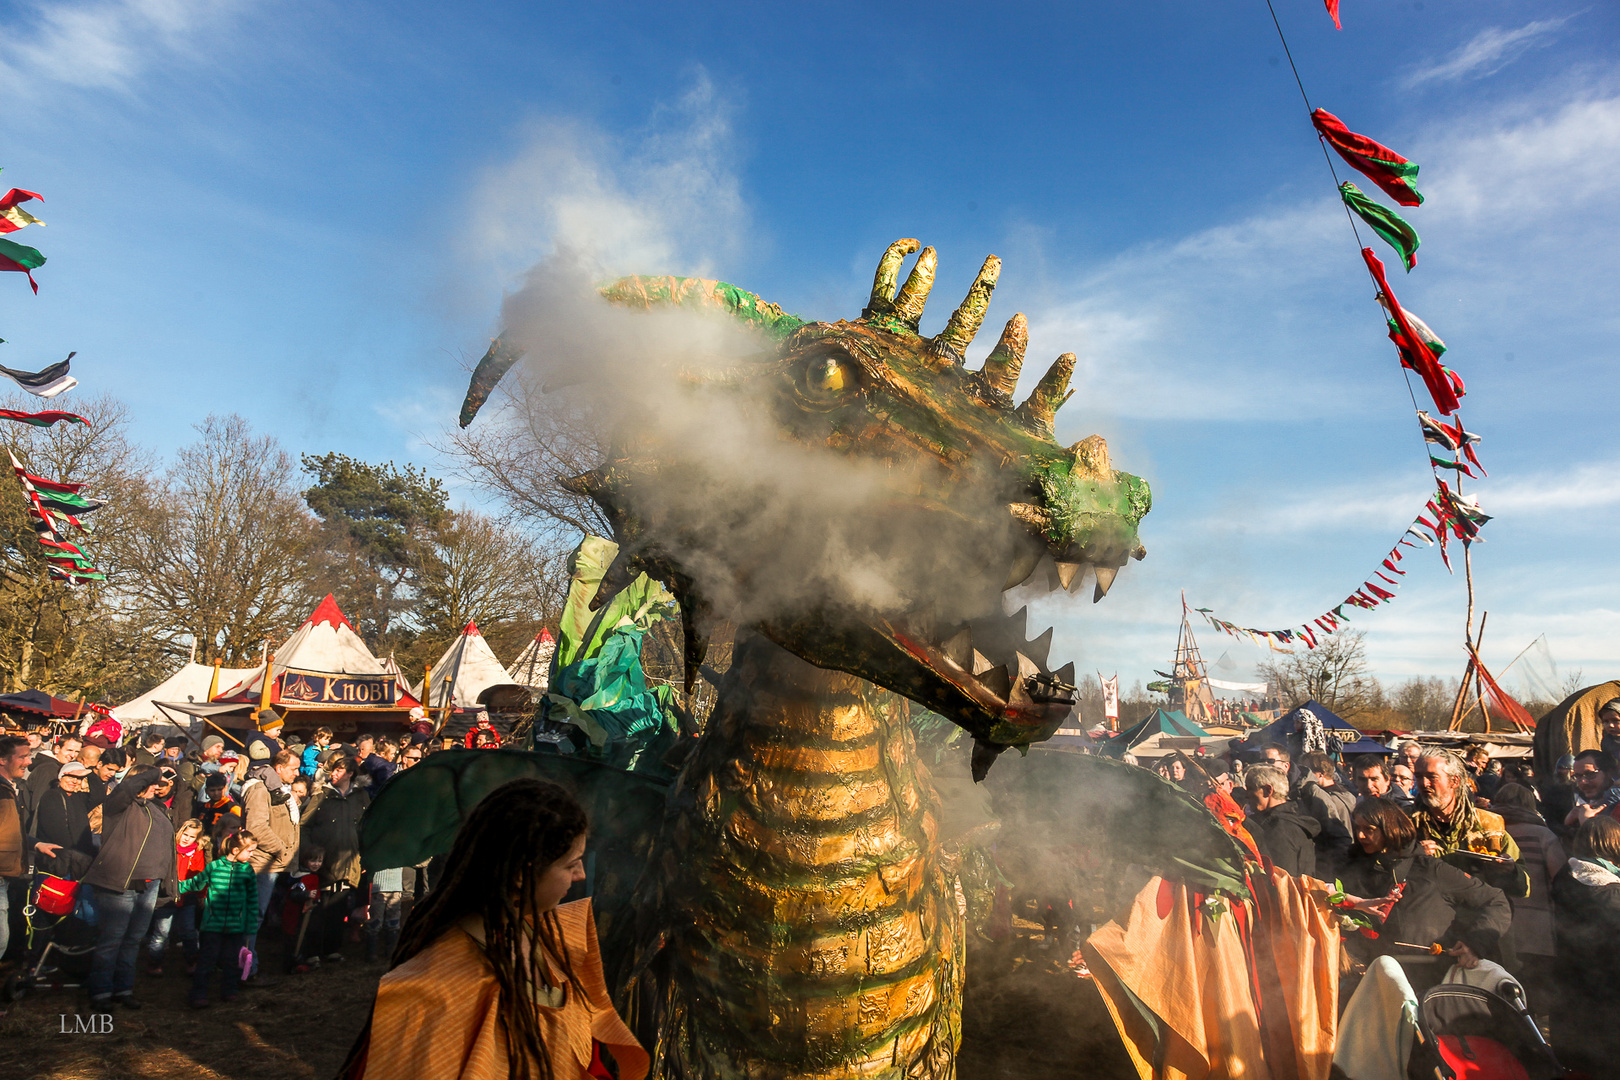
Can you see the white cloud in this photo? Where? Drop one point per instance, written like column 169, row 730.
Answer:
column 1589, row 487
column 100, row 44
column 1486, row 52
column 1530, row 166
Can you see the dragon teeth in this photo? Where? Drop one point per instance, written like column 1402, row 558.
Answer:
column 960, row 647
column 1024, row 564
column 1068, row 571
column 1040, row 648
column 1105, row 581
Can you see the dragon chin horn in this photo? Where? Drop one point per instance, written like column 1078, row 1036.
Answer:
column 1040, row 408
column 913, row 295
column 1006, row 360
column 887, row 277
column 965, row 321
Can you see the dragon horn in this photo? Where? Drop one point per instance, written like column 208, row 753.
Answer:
column 1040, row 408
column 1091, row 455
column 1006, row 360
column 966, row 319
column 888, row 277
column 908, row 305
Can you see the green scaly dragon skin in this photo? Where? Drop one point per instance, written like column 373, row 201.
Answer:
column 798, row 900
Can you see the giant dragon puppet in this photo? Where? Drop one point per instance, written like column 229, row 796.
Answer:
column 780, row 900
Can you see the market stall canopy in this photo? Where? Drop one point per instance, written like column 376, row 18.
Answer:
column 40, row 703
column 533, row 665
column 1159, row 734
column 1279, row 731
column 190, row 683
column 467, row 668
column 324, row 666
column 220, row 714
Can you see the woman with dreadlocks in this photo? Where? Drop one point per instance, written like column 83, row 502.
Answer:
column 491, row 978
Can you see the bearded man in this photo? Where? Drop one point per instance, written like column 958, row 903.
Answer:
column 1451, row 827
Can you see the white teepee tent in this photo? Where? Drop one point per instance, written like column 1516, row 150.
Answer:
column 533, row 665
column 467, row 668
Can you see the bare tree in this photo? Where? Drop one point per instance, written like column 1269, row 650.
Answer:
column 221, row 556
column 520, row 451
column 475, row 569
column 1334, row 674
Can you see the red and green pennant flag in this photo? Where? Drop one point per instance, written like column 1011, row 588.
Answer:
column 74, row 576
column 22, row 259
column 41, row 419
column 1392, row 173
column 12, row 216
column 1451, row 436
column 1414, row 349
column 1383, row 221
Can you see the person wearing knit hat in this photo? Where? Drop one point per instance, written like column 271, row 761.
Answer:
column 269, row 724
column 211, row 741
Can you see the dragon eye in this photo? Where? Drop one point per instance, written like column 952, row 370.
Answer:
column 828, row 378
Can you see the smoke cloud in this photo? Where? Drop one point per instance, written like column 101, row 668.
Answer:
column 767, row 525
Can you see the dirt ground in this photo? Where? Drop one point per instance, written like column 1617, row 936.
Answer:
column 1023, row 1016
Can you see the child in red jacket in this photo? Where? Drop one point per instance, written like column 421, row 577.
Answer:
column 179, row 915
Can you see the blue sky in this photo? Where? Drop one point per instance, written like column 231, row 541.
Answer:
column 307, row 213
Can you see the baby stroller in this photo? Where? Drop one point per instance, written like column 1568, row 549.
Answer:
column 1465, row 1033
column 59, row 944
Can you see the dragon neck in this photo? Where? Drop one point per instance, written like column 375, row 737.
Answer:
column 807, row 862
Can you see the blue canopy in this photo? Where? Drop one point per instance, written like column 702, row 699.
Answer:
column 1280, row 732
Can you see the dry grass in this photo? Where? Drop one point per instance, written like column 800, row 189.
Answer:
column 1023, row 1016
column 299, row 1030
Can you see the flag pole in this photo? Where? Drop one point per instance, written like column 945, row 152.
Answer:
column 264, row 687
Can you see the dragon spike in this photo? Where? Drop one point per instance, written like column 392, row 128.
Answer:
column 1040, row 408
column 913, row 295
column 966, row 319
column 1006, row 360
column 888, row 276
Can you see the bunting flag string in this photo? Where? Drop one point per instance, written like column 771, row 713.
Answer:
column 54, row 506
column 1455, row 515
column 1448, row 514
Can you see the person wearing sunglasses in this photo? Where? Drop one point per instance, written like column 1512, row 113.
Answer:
column 1596, row 792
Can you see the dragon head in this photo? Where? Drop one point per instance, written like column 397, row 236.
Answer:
column 962, row 495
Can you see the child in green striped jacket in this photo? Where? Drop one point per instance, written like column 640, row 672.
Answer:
column 231, row 914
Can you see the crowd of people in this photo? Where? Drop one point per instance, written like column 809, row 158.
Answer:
column 205, row 848
column 1474, row 874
